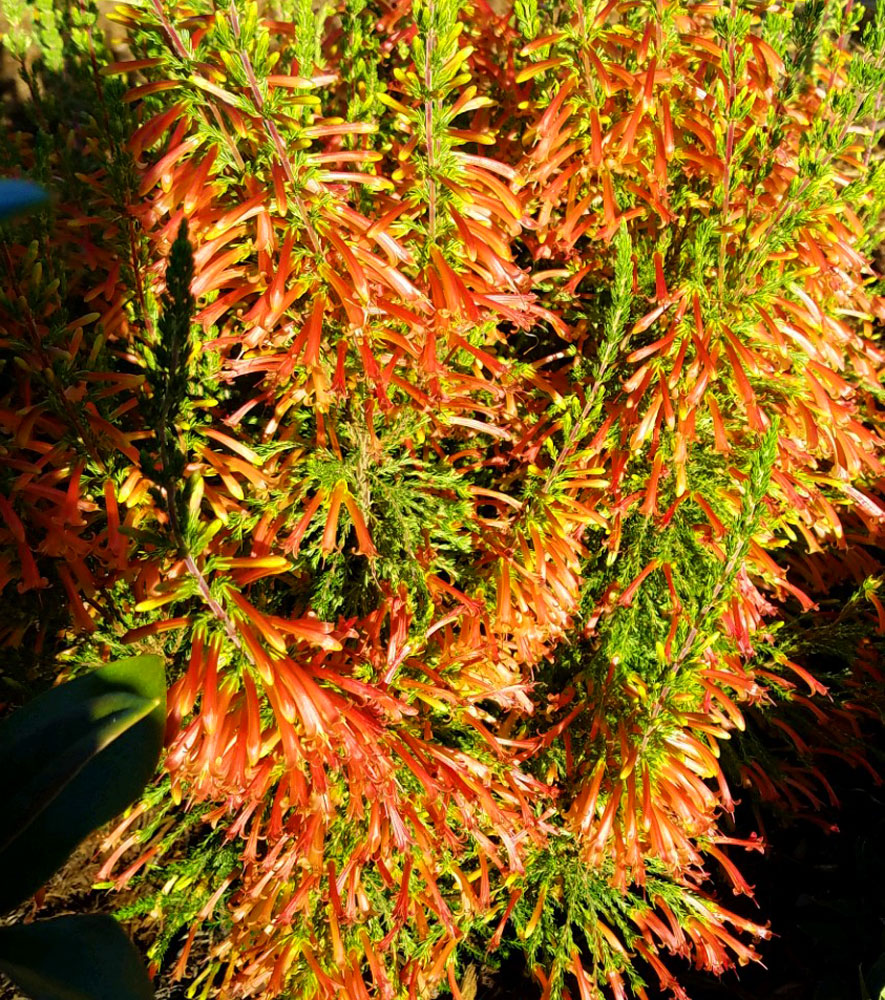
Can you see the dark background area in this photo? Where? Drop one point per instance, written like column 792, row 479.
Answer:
column 822, row 887
column 824, row 894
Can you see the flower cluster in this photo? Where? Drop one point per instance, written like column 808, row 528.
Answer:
column 479, row 405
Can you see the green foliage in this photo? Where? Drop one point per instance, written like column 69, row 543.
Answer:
column 477, row 408
column 527, row 18
column 174, row 353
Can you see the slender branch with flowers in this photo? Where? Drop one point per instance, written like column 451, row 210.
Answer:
column 479, row 405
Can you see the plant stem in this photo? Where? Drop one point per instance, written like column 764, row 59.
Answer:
column 429, row 44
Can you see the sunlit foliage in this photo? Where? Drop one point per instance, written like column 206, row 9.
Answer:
column 480, row 406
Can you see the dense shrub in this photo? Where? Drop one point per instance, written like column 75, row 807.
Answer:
column 480, row 408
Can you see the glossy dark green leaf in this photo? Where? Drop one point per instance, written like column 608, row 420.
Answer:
column 71, row 760
column 74, row 958
column 874, row 979
column 17, row 196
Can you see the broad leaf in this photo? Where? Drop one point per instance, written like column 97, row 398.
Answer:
column 74, row 958
column 70, row 761
column 874, row 979
column 17, row 196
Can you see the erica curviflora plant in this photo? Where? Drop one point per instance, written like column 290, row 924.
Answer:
column 480, row 408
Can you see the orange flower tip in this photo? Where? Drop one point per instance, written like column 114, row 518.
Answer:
column 152, row 603
column 276, row 642
column 279, row 563
column 155, row 628
column 128, row 66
